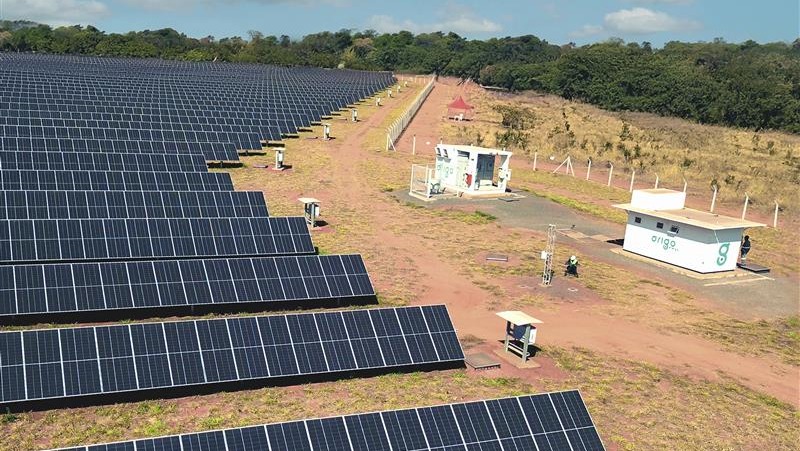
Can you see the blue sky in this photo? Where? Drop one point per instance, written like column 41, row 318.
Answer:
column 558, row 21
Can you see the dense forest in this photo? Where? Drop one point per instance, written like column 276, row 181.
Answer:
column 748, row 85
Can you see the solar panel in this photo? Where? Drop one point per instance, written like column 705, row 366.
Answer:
column 212, row 151
column 114, row 181
column 43, row 97
column 101, row 161
column 556, row 421
column 58, row 289
column 131, row 204
column 65, row 240
column 68, row 363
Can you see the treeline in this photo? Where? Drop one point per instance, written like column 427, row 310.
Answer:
column 745, row 85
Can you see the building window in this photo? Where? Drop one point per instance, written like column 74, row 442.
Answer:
column 659, row 225
column 637, row 220
column 674, row 229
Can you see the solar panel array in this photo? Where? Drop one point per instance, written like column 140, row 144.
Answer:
column 544, row 422
column 73, row 362
column 53, row 99
column 131, row 204
column 108, row 286
column 107, row 205
column 106, row 201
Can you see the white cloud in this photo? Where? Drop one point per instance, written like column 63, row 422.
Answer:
column 453, row 17
column 586, row 30
column 643, row 21
column 637, row 21
column 55, row 12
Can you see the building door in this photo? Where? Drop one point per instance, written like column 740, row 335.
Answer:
column 462, row 162
column 485, row 169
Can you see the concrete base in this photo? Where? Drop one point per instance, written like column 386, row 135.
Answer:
column 753, row 267
column 682, row 271
column 481, row 361
column 516, row 360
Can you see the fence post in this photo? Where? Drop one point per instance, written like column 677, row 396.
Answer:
column 713, row 199
column 746, row 201
column 414, row 145
column 656, row 185
column 611, row 171
column 633, row 176
column 775, row 218
column 535, row 157
column 589, row 169
column 685, row 185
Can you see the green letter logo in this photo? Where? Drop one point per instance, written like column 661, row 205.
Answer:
column 723, row 254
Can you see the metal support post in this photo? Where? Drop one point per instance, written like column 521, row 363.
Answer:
column 775, row 218
column 746, row 201
column 713, row 199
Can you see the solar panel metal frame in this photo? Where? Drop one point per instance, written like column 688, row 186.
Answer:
column 477, row 427
column 54, row 366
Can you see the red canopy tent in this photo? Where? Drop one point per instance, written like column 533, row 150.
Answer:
column 459, row 109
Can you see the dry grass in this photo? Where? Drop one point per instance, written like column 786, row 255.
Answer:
column 679, row 412
column 636, row 406
column 765, row 164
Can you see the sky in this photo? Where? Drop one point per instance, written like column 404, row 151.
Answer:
column 557, row 21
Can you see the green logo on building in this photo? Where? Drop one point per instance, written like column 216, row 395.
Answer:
column 723, row 254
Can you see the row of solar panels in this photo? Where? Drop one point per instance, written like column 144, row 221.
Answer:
column 35, row 110
column 131, row 204
column 80, row 65
column 113, row 120
column 179, row 89
column 544, row 422
column 114, row 181
column 72, row 362
column 211, row 151
column 48, row 240
column 51, row 290
column 41, row 110
column 101, row 161
column 243, row 140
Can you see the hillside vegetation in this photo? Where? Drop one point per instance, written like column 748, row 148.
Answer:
column 765, row 165
column 746, row 85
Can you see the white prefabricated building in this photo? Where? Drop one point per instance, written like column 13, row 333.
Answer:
column 471, row 169
column 661, row 227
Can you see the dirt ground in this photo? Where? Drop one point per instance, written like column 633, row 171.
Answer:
column 472, row 307
column 625, row 333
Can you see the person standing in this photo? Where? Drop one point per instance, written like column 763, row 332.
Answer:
column 745, row 248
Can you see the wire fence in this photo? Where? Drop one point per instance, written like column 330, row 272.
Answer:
column 708, row 198
column 396, row 129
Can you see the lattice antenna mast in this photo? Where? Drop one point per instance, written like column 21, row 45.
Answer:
column 547, row 255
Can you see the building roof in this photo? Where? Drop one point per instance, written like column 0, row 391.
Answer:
column 518, row 318
column 697, row 218
column 475, row 149
column 460, row 104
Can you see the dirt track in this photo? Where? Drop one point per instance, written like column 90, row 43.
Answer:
column 568, row 324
